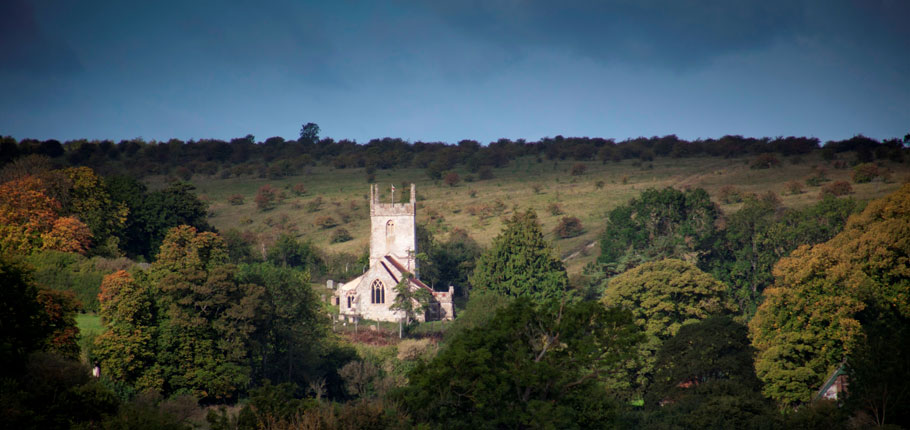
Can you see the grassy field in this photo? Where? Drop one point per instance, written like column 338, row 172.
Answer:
column 525, row 183
column 89, row 323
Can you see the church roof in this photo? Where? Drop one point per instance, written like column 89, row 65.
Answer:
column 397, row 265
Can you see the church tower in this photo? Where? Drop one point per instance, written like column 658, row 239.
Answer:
column 393, row 229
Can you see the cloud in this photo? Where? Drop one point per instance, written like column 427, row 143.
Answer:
column 676, row 33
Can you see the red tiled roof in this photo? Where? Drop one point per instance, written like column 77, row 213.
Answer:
column 401, row 269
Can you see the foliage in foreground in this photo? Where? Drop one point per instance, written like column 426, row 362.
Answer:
column 530, row 365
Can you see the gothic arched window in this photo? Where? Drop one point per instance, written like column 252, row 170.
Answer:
column 377, row 292
column 389, row 228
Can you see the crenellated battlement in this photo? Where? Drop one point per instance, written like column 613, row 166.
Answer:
column 392, row 209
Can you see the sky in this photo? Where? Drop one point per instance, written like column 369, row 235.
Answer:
column 435, row 70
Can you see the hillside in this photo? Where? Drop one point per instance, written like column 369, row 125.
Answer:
column 477, row 206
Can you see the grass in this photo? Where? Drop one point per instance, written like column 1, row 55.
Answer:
column 513, row 186
column 89, row 323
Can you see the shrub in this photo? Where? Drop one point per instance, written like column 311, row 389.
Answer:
column 451, row 179
column 341, row 235
column 865, row 172
column 764, row 161
column 266, row 197
column 485, row 173
column 554, row 209
column 836, row 189
column 794, row 187
column 819, row 176
column 299, row 189
column 537, row 188
column 473, row 193
column 314, row 205
column 325, row 222
column 569, row 226
column 578, row 169
column 235, row 199
column 729, row 194
column 412, row 349
column 599, row 185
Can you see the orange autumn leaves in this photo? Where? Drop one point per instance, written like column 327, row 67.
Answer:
column 30, row 219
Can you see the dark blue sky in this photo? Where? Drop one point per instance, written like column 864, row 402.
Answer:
column 448, row 70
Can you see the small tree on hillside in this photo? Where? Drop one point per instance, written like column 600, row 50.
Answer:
column 521, row 262
column 451, row 179
column 266, row 197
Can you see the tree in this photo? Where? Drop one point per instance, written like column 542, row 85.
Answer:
column 529, row 366
column 663, row 296
column 878, row 371
column 658, row 224
column 88, row 199
column 569, row 226
column 67, row 235
column 410, row 301
column 288, row 251
column 451, row 179
column 760, row 234
column 309, row 133
column 286, row 345
column 21, row 328
column 520, row 262
column 704, row 378
column 126, row 351
column 266, row 197
column 204, row 340
column 812, row 318
column 26, row 212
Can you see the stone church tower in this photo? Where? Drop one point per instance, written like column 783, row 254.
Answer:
column 393, row 229
column 393, row 258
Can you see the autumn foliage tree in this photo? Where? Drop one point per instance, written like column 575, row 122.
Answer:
column 26, row 212
column 823, row 296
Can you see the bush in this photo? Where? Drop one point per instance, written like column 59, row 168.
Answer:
column 819, row 176
column 299, row 189
column 578, row 169
column 325, row 222
column 314, row 205
column 537, row 188
column 412, row 349
column 341, row 235
column 729, row 194
column 485, row 173
column 836, row 189
column 569, row 226
column 764, row 161
column 794, row 187
column 599, row 185
column 865, row 172
column 554, row 209
column 451, row 179
column 235, row 199
column 266, row 197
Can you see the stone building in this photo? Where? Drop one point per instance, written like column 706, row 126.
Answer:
column 393, row 251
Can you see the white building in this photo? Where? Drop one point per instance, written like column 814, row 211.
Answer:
column 393, row 251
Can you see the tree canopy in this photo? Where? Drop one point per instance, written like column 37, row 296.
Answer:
column 663, row 296
column 658, row 224
column 521, row 263
column 813, row 316
column 528, row 366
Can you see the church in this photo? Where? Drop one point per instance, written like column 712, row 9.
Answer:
column 393, row 257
